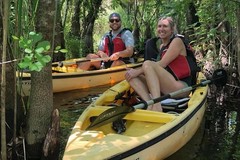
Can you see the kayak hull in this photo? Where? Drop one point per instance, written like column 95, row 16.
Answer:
column 72, row 79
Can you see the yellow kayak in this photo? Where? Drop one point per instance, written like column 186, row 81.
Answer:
column 68, row 77
column 111, row 128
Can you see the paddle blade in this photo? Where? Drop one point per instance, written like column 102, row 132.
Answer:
column 110, row 115
column 219, row 77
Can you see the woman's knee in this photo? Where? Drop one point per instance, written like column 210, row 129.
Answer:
column 147, row 64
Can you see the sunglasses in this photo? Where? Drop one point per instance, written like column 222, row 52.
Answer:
column 112, row 20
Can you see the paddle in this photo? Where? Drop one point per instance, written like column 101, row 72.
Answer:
column 219, row 78
column 65, row 63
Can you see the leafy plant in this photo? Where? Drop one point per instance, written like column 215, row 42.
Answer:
column 35, row 49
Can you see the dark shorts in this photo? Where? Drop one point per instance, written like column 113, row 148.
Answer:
column 187, row 81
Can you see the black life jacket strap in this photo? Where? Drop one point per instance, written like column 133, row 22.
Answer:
column 110, row 39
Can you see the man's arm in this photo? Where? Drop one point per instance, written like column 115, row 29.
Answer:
column 127, row 38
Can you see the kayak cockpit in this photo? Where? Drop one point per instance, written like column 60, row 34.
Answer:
column 143, row 120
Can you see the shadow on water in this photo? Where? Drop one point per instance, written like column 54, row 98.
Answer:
column 217, row 137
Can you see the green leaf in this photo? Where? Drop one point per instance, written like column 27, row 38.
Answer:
column 27, row 50
column 43, row 59
column 58, row 48
column 15, row 37
column 63, row 50
column 37, row 66
column 23, row 43
column 38, row 56
column 26, row 62
column 46, row 58
column 32, row 33
column 23, row 65
column 44, row 44
column 36, row 37
column 39, row 50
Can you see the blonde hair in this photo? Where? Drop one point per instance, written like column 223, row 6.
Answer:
column 171, row 23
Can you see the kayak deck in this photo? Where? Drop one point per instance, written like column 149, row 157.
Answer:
column 143, row 120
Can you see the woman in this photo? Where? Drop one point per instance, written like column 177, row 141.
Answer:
column 163, row 76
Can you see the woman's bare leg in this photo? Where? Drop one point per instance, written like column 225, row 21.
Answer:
column 153, row 84
column 139, row 86
column 160, row 81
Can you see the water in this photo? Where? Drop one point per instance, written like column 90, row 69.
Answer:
column 217, row 137
column 71, row 104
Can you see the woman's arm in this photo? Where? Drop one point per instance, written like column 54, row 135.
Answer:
column 175, row 49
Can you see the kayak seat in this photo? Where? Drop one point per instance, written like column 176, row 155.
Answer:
column 175, row 105
column 170, row 104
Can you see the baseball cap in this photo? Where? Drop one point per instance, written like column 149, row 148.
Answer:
column 114, row 15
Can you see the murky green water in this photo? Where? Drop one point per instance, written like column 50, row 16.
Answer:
column 217, row 138
column 71, row 105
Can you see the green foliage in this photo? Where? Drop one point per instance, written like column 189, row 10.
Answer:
column 73, row 45
column 34, row 49
column 59, row 49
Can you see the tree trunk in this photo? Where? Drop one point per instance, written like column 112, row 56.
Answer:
column 88, row 24
column 191, row 19
column 75, row 29
column 41, row 95
column 59, row 35
column 238, row 39
column 3, row 80
column 75, row 25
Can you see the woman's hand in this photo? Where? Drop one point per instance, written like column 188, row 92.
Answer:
column 132, row 73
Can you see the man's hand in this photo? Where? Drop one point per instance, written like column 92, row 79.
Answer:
column 103, row 55
column 114, row 56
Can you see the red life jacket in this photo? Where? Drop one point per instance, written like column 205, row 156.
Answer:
column 179, row 67
column 117, row 44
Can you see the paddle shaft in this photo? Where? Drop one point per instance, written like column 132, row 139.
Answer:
column 170, row 95
column 66, row 63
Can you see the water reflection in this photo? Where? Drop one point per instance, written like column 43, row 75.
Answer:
column 217, row 137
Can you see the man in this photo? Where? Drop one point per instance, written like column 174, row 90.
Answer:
column 115, row 48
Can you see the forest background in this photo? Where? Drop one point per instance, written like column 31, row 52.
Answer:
column 213, row 28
